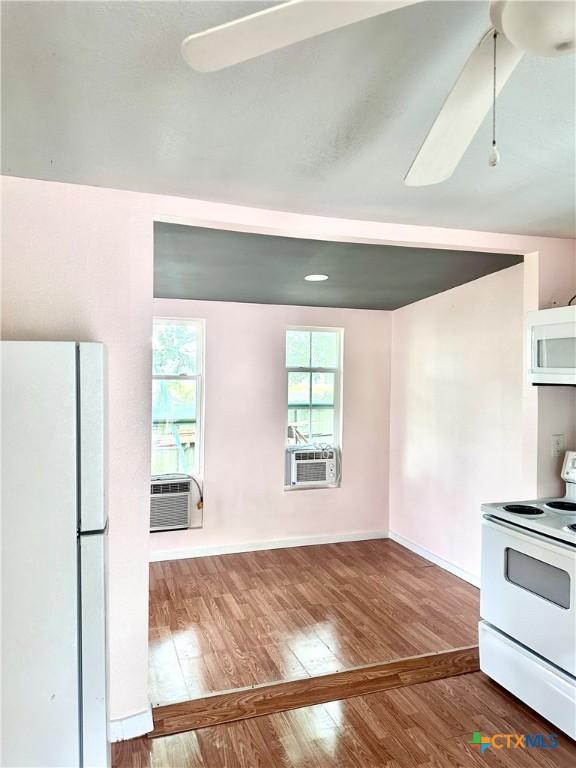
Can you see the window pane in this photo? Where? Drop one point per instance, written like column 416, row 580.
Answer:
column 176, row 349
column 298, row 388
column 298, row 425
column 175, row 436
column 323, row 389
column 297, row 349
column 323, row 425
column 325, row 349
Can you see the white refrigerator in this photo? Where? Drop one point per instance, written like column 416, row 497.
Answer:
column 54, row 523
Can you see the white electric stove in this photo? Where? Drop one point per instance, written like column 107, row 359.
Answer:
column 551, row 517
column 527, row 634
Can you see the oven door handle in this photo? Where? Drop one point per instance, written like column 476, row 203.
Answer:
column 529, row 536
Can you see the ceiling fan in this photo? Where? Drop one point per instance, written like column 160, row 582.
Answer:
column 539, row 27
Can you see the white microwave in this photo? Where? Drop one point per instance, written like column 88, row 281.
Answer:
column 552, row 346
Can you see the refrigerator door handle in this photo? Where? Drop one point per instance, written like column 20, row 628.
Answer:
column 100, row 532
column 91, row 421
column 96, row 750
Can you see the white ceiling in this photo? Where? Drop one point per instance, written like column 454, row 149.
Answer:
column 97, row 93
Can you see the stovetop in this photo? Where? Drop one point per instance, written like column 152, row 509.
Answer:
column 551, row 517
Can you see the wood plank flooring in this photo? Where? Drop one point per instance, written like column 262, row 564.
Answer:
column 427, row 725
column 266, row 699
column 233, row 621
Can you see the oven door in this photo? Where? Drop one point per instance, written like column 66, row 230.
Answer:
column 529, row 590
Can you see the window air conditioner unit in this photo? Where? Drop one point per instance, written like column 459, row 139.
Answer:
column 311, row 466
column 171, row 504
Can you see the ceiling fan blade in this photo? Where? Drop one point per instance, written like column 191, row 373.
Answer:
column 275, row 28
column 463, row 111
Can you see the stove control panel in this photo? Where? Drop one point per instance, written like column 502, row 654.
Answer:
column 569, row 467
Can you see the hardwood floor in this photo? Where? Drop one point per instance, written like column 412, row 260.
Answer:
column 426, row 725
column 232, row 621
column 269, row 698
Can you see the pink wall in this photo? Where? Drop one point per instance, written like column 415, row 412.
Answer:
column 245, row 415
column 77, row 263
column 465, row 426
column 70, row 273
column 456, row 413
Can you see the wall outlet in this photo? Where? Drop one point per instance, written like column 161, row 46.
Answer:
column 558, row 445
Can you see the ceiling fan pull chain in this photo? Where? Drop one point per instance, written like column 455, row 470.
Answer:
column 494, row 157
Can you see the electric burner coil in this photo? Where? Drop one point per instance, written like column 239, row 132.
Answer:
column 523, row 509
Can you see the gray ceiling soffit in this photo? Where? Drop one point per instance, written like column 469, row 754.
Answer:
column 219, row 265
column 97, row 93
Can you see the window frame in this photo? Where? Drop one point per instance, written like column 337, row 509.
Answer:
column 197, row 377
column 338, row 380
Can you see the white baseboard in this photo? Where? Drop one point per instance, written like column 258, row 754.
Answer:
column 252, row 546
column 460, row 572
column 130, row 727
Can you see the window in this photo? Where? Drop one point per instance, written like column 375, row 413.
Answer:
column 313, row 370
column 177, row 396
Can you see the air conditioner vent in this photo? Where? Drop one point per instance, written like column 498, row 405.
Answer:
column 311, row 472
column 171, row 488
column 313, row 455
column 171, row 512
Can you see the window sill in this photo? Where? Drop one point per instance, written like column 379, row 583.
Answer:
column 311, row 487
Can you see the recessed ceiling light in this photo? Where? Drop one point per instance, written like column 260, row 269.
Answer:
column 316, row 278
